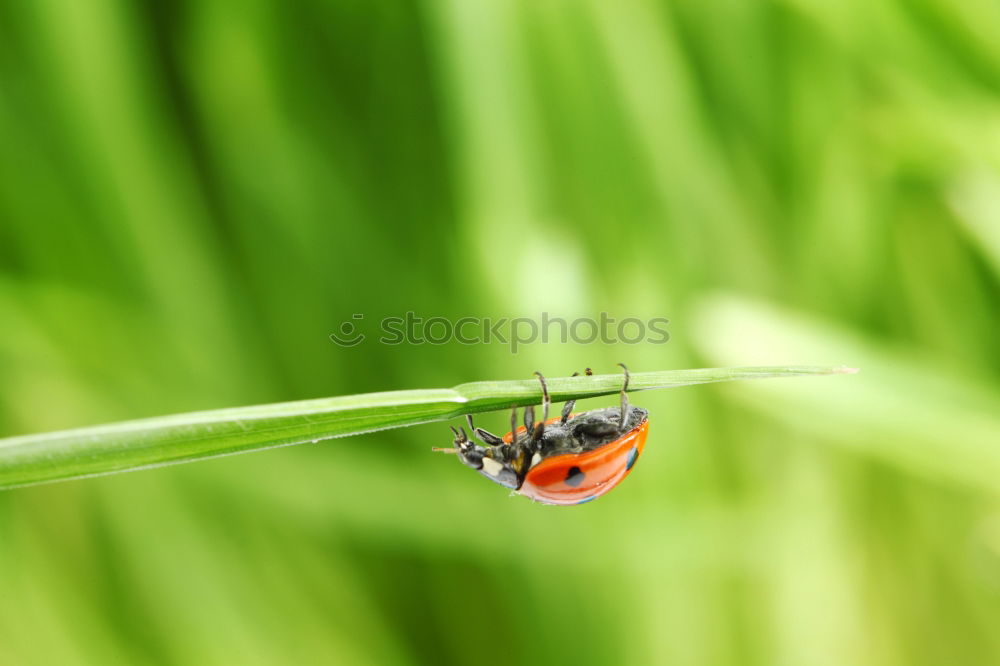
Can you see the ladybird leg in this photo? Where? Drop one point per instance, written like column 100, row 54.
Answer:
column 624, row 415
column 539, row 430
column 568, row 407
column 529, row 420
column 484, row 436
column 513, row 425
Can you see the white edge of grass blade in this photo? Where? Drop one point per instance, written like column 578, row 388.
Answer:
column 165, row 440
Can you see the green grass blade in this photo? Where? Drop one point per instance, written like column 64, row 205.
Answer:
column 130, row 445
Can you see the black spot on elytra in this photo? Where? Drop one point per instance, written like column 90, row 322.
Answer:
column 574, row 476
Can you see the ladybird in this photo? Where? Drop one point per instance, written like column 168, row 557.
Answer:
column 570, row 459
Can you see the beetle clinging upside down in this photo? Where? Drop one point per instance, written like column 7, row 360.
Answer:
column 570, row 459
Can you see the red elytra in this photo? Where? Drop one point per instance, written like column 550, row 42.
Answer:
column 575, row 478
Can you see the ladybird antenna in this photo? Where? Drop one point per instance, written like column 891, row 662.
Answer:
column 438, row 449
column 624, row 414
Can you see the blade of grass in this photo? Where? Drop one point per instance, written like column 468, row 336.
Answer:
column 164, row 440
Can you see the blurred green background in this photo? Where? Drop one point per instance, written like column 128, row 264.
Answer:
column 193, row 196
